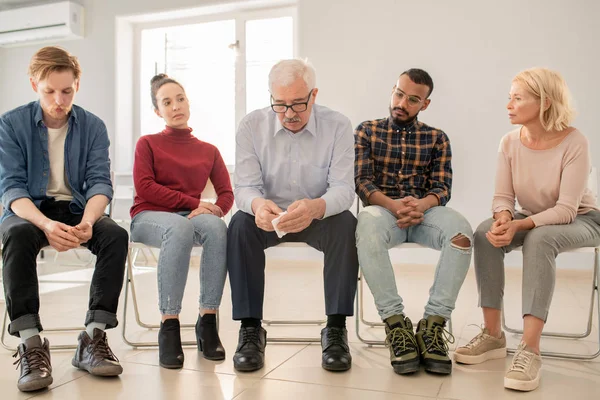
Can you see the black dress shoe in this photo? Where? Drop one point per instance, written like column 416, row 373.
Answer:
column 170, row 352
column 207, row 337
column 250, row 353
column 336, row 353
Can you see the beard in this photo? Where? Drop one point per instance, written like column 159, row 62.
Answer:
column 406, row 120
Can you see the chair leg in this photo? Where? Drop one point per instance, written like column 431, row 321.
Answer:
column 277, row 339
column 130, row 282
column 573, row 356
column 270, row 322
column 52, row 347
column 4, row 330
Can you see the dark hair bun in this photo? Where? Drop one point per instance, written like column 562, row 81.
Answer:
column 157, row 78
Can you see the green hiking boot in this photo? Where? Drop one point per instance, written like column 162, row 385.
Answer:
column 433, row 340
column 402, row 344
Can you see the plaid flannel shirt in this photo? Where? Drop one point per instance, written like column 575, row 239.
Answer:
column 414, row 160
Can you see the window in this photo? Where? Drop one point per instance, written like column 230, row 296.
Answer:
column 223, row 66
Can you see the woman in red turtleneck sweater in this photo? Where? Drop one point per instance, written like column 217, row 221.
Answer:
column 171, row 169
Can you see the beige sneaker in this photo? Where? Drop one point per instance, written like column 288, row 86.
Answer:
column 524, row 372
column 481, row 348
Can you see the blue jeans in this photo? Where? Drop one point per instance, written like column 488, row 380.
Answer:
column 176, row 235
column 377, row 232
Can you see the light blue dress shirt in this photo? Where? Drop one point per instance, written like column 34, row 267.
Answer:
column 278, row 165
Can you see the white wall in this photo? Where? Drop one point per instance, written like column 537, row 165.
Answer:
column 471, row 48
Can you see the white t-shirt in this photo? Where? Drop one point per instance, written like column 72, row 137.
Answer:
column 58, row 186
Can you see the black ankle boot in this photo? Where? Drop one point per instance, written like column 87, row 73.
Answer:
column 207, row 338
column 170, row 353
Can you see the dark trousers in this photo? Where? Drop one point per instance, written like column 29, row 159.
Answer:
column 22, row 241
column 334, row 236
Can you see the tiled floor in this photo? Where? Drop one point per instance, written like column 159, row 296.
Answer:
column 293, row 371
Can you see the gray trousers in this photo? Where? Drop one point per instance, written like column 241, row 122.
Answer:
column 540, row 247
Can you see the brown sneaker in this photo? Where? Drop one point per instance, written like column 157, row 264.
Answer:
column 524, row 372
column 481, row 348
column 94, row 355
column 34, row 360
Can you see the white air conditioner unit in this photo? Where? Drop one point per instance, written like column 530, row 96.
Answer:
column 41, row 23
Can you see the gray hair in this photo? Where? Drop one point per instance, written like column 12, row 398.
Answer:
column 286, row 72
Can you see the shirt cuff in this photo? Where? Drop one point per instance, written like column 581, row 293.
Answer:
column 365, row 190
column 440, row 194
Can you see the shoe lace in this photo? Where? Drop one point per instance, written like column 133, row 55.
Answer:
column 335, row 336
column 400, row 340
column 521, row 361
column 250, row 335
column 99, row 348
column 437, row 338
column 477, row 339
column 31, row 359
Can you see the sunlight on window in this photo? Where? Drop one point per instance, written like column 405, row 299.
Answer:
column 201, row 58
column 267, row 41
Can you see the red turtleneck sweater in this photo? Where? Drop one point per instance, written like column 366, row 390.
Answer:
column 171, row 169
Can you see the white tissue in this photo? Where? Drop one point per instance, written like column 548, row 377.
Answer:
column 280, row 234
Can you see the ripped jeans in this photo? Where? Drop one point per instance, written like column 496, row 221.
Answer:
column 377, row 232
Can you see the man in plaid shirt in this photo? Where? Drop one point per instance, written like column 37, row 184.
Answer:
column 403, row 176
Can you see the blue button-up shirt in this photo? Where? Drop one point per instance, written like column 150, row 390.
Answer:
column 276, row 164
column 25, row 164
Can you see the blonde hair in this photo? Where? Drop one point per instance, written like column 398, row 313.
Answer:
column 285, row 72
column 52, row 59
column 549, row 86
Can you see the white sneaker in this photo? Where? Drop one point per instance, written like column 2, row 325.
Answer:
column 524, row 372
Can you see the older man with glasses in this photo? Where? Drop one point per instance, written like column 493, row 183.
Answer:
column 404, row 176
column 293, row 183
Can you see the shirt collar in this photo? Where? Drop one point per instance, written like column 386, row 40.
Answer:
column 38, row 115
column 410, row 127
column 311, row 126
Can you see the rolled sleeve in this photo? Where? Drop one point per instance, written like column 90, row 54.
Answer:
column 363, row 164
column 440, row 180
column 340, row 191
column 248, row 175
column 13, row 166
column 97, row 169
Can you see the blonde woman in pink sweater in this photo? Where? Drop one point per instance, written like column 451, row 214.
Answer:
column 544, row 165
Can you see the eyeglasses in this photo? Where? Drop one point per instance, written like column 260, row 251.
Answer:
column 412, row 100
column 296, row 107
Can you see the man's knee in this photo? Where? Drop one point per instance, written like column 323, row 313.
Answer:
column 346, row 221
column 20, row 234
column 370, row 226
column 461, row 241
column 117, row 234
column 462, row 234
column 241, row 223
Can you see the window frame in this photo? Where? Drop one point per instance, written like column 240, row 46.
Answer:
column 240, row 17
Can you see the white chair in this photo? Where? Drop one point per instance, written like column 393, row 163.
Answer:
column 275, row 339
column 208, row 194
column 593, row 185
